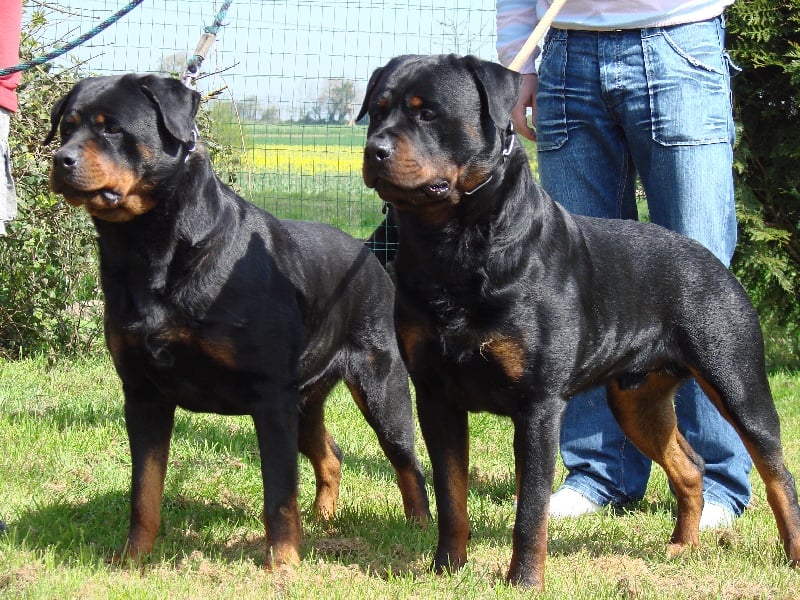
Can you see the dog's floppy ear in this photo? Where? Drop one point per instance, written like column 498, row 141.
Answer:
column 373, row 80
column 176, row 104
column 55, row 116
column 498, row 86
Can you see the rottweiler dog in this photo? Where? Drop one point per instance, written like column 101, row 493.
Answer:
column 214, row 305
column 508, row 304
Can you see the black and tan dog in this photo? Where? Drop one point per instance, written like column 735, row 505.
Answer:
column 508, row 304
column 214, row 305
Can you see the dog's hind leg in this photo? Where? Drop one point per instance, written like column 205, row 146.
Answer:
column 319, row 447
column 378, row 382
column 645, row 413
column 745, row 400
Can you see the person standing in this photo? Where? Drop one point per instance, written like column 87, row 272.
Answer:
column 626, row 88
column 10, row 30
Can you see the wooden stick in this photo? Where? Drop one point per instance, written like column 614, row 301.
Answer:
column 536, row 35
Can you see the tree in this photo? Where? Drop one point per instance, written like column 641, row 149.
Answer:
column 173, row 64
column 764, row 39
column 335, row 102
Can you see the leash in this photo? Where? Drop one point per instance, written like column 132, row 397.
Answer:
column 536, row 35
column 40, row 60
column 206, row 41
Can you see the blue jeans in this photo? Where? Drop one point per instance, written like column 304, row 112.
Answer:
column 656, row 102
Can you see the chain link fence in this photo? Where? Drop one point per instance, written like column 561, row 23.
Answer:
column 283, row 81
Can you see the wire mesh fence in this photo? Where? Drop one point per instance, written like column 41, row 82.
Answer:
column 283, row 81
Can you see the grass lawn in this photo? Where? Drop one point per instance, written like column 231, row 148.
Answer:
column 64, row 477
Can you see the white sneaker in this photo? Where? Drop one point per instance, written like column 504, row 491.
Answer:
column 567, row 502
column 715, row 516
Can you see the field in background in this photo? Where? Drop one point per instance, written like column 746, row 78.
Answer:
column 310, row 172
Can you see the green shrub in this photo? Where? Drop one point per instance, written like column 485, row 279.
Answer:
column 48, row 270
column 764, row 39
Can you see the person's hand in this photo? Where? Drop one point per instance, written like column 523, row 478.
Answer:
column 527, row 99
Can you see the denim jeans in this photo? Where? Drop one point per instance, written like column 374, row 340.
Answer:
column 654, row 102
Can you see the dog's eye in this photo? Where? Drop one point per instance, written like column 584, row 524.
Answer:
column 427, row 115
column 112, row 128
column 376, row 115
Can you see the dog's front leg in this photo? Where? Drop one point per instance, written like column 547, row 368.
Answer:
column 276, row 422
column 445, row 431
column 536, row 432
column 149, row 424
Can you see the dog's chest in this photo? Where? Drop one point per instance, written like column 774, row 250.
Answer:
column 207, row 364
column 484, row 365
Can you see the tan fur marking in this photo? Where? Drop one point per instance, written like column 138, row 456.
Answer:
column 647, row 416
column 98, row 172
column 415, row 505
column 220, row 351
column 453, row 541
column 148, row 507
column 283, row 544
column 510, row 353
column 411, row 338
column 328, row 473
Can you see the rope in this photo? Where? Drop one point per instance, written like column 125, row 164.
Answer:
column 206, row 41
column 40, row 60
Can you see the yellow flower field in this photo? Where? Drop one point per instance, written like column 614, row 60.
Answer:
column 305, row 160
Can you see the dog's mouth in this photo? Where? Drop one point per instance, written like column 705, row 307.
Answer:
column 440, row 189
column 101, row 199
column 413, row 197
column 417, row 196
column 109, row 204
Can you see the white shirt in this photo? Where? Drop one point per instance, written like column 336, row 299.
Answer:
column 517, row 18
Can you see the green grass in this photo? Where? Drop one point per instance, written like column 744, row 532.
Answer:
column 64, row 477
column 319, row 135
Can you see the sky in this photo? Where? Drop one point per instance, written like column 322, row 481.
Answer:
column 280, row 51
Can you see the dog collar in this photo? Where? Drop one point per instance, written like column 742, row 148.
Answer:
column 507, row 148
column 192, row 146
column 510, row 137
column 473, row 190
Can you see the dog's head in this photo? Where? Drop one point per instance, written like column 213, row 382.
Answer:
column 438, row 129
column 121, row 137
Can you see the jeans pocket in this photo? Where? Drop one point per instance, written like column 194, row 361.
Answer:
column 689, row 84
column 551, row 132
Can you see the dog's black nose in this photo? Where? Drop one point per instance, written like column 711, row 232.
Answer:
column 379, row 149
column 65, row 159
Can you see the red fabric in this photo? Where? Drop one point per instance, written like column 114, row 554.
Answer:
column 10, row 27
